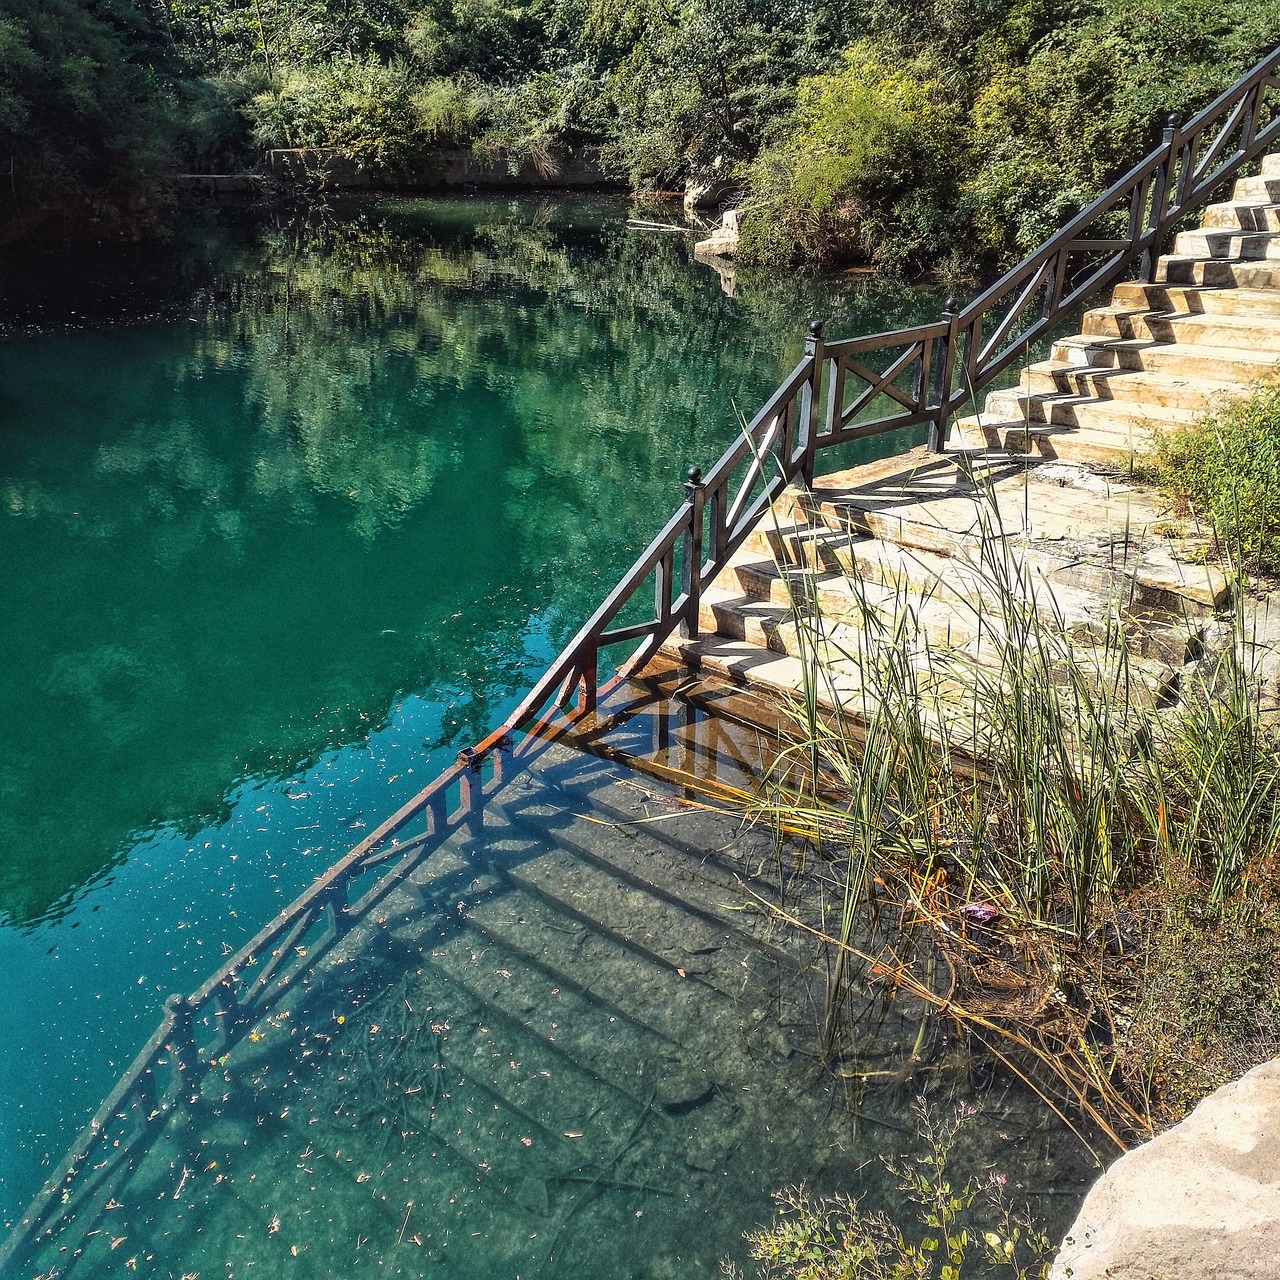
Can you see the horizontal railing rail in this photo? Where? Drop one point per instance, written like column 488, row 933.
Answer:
column 872, row 384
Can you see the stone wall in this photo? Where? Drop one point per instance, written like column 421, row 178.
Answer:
column 447, row 169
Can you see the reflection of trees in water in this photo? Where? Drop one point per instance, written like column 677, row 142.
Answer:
column 382, row 352
column 396, row 450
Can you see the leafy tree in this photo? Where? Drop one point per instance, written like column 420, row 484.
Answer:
column 1049, row 133
column 866, row 172
column 86, row 127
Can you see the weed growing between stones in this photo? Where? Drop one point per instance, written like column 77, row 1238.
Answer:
column 948, row 1231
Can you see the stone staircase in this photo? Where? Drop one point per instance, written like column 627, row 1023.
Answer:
column 1030, row 510
column 1161, row 355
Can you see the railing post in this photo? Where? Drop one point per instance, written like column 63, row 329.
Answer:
column 1162, row 196
column 691, row 557
column 814, row 348
column 944, row 356
column 471, row 788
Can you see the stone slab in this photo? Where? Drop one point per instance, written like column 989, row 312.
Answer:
column 1200, row 1202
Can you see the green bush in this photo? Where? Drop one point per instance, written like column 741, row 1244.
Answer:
column 365, row 107
column 1049, row 131
column 865, row 170
column 1227, row 468
column 449, row 110
column 949, row 1230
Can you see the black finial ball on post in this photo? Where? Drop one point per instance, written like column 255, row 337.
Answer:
column 695, row 475
column 815, row 328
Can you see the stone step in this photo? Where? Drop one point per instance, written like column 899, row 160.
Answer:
column 1271, row 165
column 1110, row 449
column 763, row 670
column 1196, row 301
column 675, row 858
column 1247, row 332
column 1243, row 215
column 1222, row 273
column 1247, row 245
column 1236, row 365
column 1163, row 606
column 1148, row 585
column 1070, row 409
column 1263, row 187
column 970, row 619
column 1123, row 386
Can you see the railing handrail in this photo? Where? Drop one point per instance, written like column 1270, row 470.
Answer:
column 945, row 363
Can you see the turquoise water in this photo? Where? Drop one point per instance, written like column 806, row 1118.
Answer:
column 292, row 511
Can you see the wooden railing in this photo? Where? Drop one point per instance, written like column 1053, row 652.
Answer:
column 1126, row 226
column 883, row 382
column 922, row 375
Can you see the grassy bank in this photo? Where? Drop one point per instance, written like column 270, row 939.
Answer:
column 1083, row 873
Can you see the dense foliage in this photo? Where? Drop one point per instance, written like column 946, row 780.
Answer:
column 903, row 134
column 1226, row 468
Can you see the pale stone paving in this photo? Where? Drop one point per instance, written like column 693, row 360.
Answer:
column 1032, row 495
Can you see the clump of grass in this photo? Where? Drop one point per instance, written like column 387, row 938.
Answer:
column 954, row 1230
column 1006, row 800
column 1208, row 1006
column 1226, row 467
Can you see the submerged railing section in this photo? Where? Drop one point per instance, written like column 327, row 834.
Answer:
column 198, row 1029
column 839, row 392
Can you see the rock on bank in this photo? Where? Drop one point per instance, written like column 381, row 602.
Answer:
column 1200, row 1201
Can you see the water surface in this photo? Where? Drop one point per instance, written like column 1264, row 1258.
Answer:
column 291, row 511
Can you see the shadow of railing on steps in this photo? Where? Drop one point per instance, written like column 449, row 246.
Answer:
column 840, row 391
